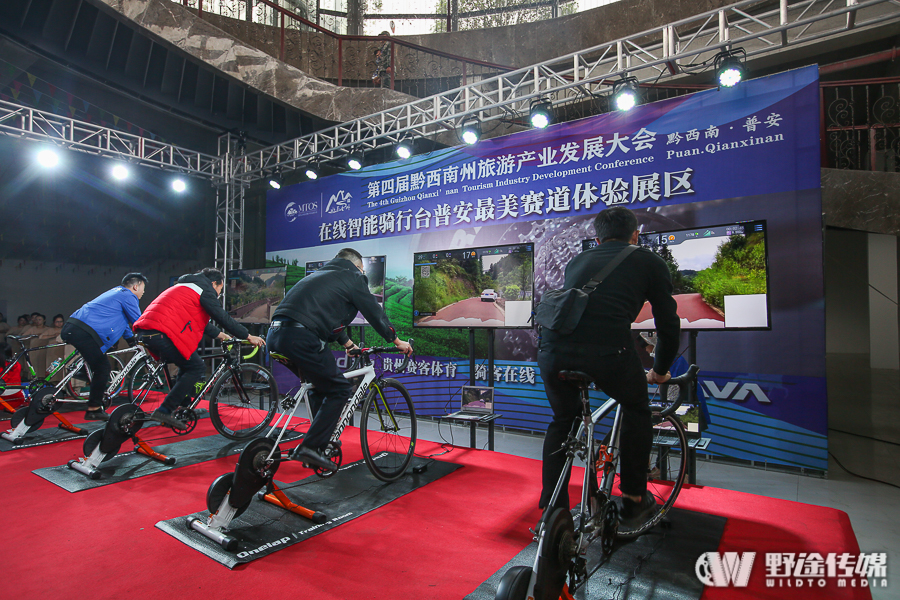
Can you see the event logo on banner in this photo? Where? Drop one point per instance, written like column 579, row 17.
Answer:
column 688, row 149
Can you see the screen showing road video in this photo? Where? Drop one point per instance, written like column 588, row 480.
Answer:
column 252, row 295
column 375, row 269
column 474, row 287
column 719, row 274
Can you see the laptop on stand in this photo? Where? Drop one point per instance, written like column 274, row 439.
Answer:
column 476, row 404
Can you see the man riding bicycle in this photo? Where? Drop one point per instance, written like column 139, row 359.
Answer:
column 602, row 347
column 97, row 326
column 315, row 311
column 173, row 326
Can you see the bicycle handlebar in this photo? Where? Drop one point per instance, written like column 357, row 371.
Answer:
column 20, row 338
column 683, row 382
column 230, row 343
column 379, row 349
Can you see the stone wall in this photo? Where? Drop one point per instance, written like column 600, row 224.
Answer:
column 861, row 200
column 182, row 28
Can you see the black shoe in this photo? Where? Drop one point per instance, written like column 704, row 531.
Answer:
column 167, row 419
column 312, row 458
column 634, row 514
column 96, row 415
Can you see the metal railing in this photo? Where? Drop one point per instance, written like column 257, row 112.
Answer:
column 653, row 56
column 349, row 60
column 861, row 124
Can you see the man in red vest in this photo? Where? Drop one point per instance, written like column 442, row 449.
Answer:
column 173, row 325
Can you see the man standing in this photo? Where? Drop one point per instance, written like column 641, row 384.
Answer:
column 602, row 347
column 97, row 326
column 315, row 311
column 173, row 325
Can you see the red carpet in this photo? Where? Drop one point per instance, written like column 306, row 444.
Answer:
column 438, row 542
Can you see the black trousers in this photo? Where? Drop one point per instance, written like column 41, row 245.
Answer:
column 314, row 364
column 620, row 376
column 190, row 370
column 94, row 357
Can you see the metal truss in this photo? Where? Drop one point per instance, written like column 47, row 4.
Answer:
column 675, row 50
column 42, row 126
column 230, row 207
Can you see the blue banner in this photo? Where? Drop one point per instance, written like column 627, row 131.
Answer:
column 720, row 156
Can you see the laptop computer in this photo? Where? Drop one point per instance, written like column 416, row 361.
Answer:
column 476, row 404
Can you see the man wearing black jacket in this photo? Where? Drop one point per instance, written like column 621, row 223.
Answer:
column 173, row 325
column 315, row 311
column 602, row 347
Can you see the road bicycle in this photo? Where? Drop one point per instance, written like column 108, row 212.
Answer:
column 387, row 434
column 560, row 566
column 80, row 372
column 43, row 402
column 243, row 397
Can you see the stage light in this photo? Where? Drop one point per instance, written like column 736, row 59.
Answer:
column 471, row 131
column 541, row 113
column 730, row 67
column 311, row 171
column 404, row 148
column 120, row 172
column 48, row 158
column 178, row 185
column 355, row 161
column 275, row 181
column 625, row 94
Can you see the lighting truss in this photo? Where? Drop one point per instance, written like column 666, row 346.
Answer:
column 655, row 55
column 42, row 126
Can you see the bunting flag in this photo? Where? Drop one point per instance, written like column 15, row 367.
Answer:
column 29, row 89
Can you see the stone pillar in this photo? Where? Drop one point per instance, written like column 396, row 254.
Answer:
column 884, row 328
column 354, row 17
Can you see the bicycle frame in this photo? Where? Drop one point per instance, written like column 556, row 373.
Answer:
column 586, row 451
column 302, row 394
column 119, row 377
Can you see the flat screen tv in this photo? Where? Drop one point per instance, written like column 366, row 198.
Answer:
column 251, row 295
column 720, row 275
column 491, row 287
column 312, row 267
column 375, row 273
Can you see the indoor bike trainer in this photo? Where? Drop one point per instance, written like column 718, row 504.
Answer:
column 124, row 423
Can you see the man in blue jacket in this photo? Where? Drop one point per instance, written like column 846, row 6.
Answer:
column 97, row 326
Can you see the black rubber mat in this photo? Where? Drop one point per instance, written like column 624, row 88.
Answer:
column 53, row 435
column 49, row 435
column 131, row 465
column 657, row 565
column 265, row 528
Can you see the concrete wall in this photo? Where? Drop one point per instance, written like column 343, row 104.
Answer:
column 884, row 326
column 846, row 292
column 51, row 288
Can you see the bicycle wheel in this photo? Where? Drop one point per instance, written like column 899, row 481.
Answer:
column 388, row 429
column 242, row 403
column 148, row 385
column 670, row 457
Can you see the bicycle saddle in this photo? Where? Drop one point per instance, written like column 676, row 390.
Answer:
column 283, row 360
column 577, row 377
